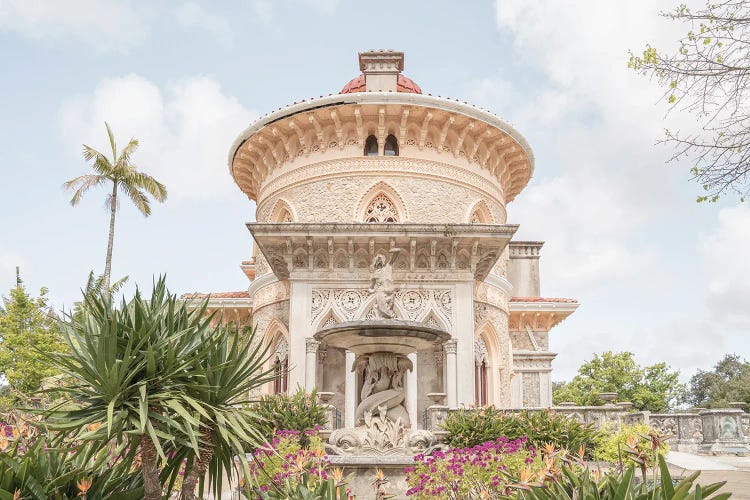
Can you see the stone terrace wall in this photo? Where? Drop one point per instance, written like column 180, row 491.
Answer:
column 715, row 431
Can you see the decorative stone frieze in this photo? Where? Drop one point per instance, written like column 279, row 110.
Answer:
column 429, row 306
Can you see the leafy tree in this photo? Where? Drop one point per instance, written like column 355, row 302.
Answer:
column 653, row 388
column 707, row 76
column 729, row 381
column 28, row 332
column 123, row 175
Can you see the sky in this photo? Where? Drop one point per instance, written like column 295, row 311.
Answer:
column 656, row 273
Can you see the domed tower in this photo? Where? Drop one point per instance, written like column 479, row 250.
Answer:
column 343, row 179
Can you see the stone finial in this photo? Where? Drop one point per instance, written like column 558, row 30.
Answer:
column 381, row 69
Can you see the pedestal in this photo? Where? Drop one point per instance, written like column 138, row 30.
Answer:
column 722, row 432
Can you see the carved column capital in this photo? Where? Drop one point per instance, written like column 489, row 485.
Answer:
column 311, row 345
column 450, row 346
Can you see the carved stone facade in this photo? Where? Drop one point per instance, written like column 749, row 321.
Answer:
column 331, row 196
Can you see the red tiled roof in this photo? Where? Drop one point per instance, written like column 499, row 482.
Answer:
column 403, row 84
column 217, row 295
column 543, row 299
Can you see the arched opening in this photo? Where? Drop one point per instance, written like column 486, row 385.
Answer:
column 281, row 366
column 481, row 214
column 481, row 373
column 381, row 210
column 391, row 146
column 371, row 146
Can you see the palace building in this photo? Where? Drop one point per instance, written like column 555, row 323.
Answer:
column 381, row 242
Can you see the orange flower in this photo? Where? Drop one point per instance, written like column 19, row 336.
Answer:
column 379, row 474
column 631, row 441
column 337, row 474
column 17, row 495
column 94, row 426
column 3, row 444
column 15, row 432
column 581, row 451
column 84, row 484
column 549, row 449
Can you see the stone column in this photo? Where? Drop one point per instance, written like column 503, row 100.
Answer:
column 350, row 391
column 311, row 363
column 299, row 330
column 463, row 319
column 412, row 389
column 450, row 368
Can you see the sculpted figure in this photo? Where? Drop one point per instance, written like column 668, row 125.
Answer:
column 383, row 389
column 381, row 284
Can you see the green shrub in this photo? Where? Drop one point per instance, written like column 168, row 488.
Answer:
column 299, row 412
column 632, row 442
column 476, row 426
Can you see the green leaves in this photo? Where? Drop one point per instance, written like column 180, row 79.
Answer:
column 653, row 388
column 159, row 372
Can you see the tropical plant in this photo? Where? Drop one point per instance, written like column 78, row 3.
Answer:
column 124, row 176
column 330, row 489
column 286, row 459
column 230, row 372
column 471, row 427
column 301, row 412
column 31, row 469
column 654, row 388
column 142, row 380
column 28, row 331
column 638, row 443
column 575, row 482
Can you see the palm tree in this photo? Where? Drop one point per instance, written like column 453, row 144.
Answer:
column 123, row 175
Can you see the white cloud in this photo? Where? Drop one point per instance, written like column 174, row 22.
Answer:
column 263, row 10
column 725, row 254
column 185, row 129
column 192, row 15
column 103, row 24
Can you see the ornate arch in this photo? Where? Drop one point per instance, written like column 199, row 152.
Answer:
column 277, row 337
column 480, row 213
column 488, row 360
column 282, row 212
column 391, row 204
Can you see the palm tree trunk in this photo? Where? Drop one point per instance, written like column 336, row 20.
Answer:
column 199, row 467
column 108, row 261
column 149, row 471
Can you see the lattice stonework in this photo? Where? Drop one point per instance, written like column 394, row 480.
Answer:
column 281, row 353
column 381, row 209
column 480, row 352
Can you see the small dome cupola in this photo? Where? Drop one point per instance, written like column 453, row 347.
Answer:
column 381, row 72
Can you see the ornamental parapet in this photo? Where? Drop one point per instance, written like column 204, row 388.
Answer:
column 337, row 126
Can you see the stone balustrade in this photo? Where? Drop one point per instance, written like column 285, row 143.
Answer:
column 699, row 430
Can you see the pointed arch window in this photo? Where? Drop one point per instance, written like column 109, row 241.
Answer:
column 281, row 366
column 381, row 210
column 481, row 372
column 391, row 146
column 371, row 146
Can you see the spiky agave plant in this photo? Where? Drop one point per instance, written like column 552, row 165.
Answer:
column 232, row 370
column 130, row 371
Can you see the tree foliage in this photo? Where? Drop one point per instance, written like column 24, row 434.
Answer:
column 708, row 77
column 653, row 388
column 162, row 379
column 124, row 177
column 728, row 382
column 28, row 332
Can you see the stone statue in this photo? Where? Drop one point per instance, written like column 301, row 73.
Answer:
column 383, row 385
column 381, row 284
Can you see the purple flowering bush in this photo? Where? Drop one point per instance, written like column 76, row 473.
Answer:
column 492, row 468
column 287, row 460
